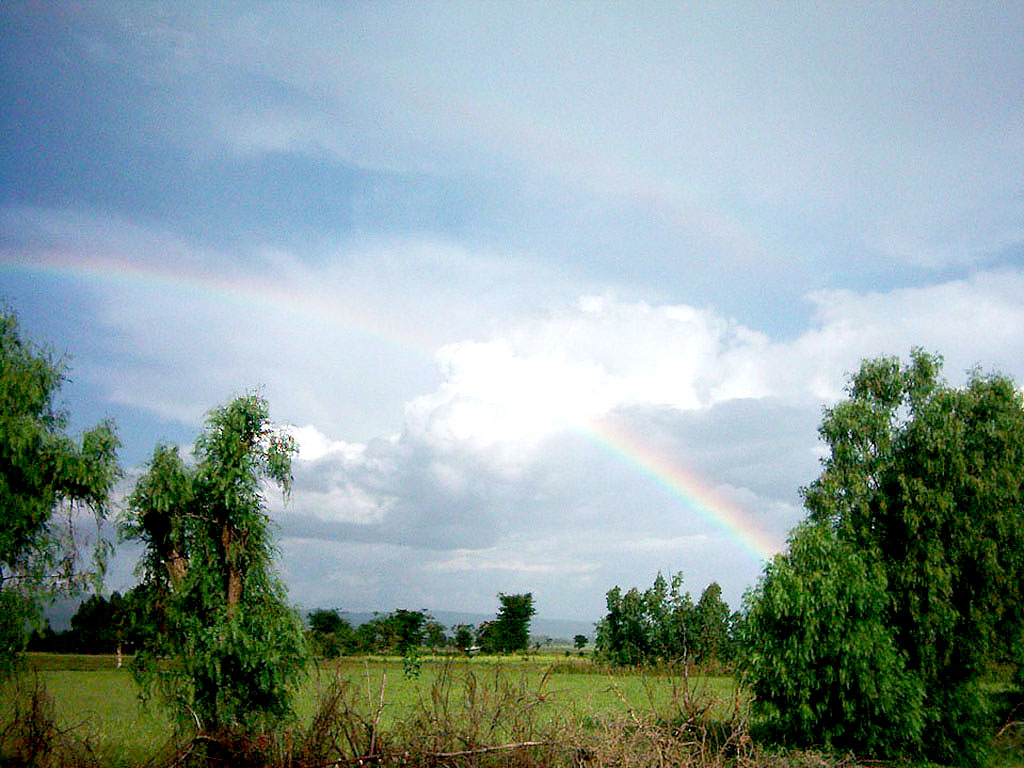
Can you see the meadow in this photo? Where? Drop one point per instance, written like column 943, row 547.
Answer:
column 471, row 703
column 535, row 710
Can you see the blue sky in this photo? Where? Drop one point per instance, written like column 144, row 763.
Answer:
column 452, row 242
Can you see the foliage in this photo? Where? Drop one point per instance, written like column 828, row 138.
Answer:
column 510, row 630
column 434, row 635
column 407, row 629
column 326, row 622
column 904, row 583
column 579, row 642
column 463, row 637
column 331, row 635
column 46, row 481
column 221, row 620
column 399, row 632
column 662, row 625
column 711, row 626
column 820, row 659
column 98, row 626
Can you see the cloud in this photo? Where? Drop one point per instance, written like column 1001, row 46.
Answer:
column 493, row 477
column 864, row 138
column 450, row 243
column 174, row 326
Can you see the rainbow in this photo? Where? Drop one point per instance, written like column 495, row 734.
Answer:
column 696, row 494
column 220, row 287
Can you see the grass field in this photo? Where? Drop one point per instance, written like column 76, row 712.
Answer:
column 101, row 702
column 451, row 700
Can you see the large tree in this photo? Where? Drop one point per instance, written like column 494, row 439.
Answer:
column 331, row 634
column 649, row 627
column 47, row 480
column 226, row 647
column 711, row 626
column 510, row 630
column 905, row 581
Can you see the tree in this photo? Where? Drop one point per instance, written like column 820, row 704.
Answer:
column 463, row 637
column 331, row 634
column 325, row 622
column 369, row 637
column 406, row 629
column 46, row 481
column 435, row 635
column 486, row 637
column 656, row 625
column 711, row 622
column 226, row 646
column 579, row 642
column 819, row 657
column 95, row 624
column 510, row 631
column 623, row 635
column 908, row 570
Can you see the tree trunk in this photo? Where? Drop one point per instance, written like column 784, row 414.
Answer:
column 177, row 566
column 233, row 573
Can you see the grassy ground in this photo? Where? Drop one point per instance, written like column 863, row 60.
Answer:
column 581, row 689
column 100, row 701
column 480, row 701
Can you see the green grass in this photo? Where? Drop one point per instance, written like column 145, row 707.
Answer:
column 100, row 702
column 578, row 690
column 92, row 695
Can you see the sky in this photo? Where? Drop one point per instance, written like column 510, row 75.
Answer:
column 552, row 295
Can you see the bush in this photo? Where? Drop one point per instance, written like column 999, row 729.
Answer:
column 902, row 587
column 820, row 659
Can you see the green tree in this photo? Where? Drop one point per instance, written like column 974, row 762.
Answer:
column 95, row 624
column 623, row 635
column 435, row 635
column 330, row 633
column 463, row 637
column 920, row 508
column 656, row 625
column 369, row 637
column 819, row 655
column 406, row 629
column 326, row 622
column 711, row 624
column 227, row 646
column 579, row 642
column 486, row 637
column 510, row 631
column 46, row 480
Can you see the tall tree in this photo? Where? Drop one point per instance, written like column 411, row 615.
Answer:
column 95, row 624
column 407, row 629
column 656, row 625
column 915, row 530
column 711, row 622
column 235, row 645
column 463, row 637
column 46, row 481
column 510, row 631
column 330, row 633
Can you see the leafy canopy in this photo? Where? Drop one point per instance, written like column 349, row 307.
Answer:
column 510, row 629
column 904, row 582
column 219, row 611
column 47, row 480
column 663, row 625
